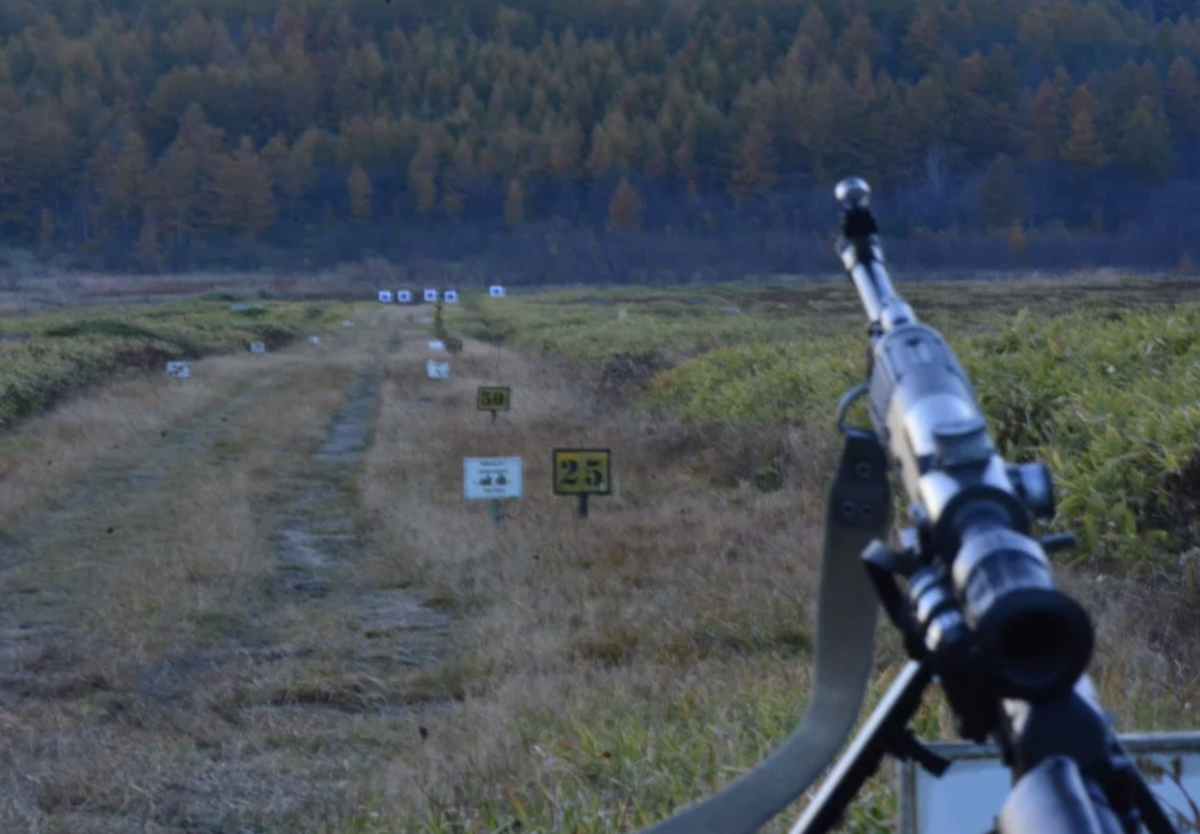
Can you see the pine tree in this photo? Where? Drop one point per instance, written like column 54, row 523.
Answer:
column 754, row 164
column 243, row 201
column 149, row 252
column 514, row 204
column 1000, row 198
column 923, row 42
column 625, row 207
column 1045, row 122
column 358, row 186
column 1145, row 144
column 46, row 229
column 1083, row 148
column 1182, row 95
column 182, row 177
column 422, row 175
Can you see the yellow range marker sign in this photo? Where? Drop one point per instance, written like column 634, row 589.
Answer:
column 492, row 399
column 582, row 472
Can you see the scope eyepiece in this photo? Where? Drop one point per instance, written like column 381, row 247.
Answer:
column 1036, row 640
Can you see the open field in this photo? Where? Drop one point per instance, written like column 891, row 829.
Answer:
column 256, row 601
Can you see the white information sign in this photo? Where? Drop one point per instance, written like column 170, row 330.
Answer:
column 491, row 478
column 438, row 370
column 258, row 347
column 450, row 296
column 437, row 344
column 314, row 340
column 431, row 295
column 385, row 296
column 969, row 795
column 179, row 370
column 404, row 296
column 496, row 291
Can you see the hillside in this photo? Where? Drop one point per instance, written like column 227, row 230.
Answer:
column 168, row 134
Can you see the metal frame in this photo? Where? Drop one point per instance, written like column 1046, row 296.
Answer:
column 958, row 751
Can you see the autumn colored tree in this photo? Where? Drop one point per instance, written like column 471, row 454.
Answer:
column 754, row 165
column 1000, row 194
column 1182, row 95
column 625, row 207
column 118, row 174
column 1083, row 148
column 148, row 248
column 358, row 186
column 243, row 201
column 923, row 44
column 46, row 229
column 514, row 204
column 1145, row 144
column 1046, row 113
column 422, row 175
column 1017, row 241
column 180, row 183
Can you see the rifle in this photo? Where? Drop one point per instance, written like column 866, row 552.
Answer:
column 977, row 608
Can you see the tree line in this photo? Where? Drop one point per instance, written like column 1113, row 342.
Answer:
column 147, row 133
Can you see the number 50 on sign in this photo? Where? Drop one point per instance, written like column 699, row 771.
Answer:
column 582, row 472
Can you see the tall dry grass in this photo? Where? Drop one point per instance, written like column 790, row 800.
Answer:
column 679, row 580
column 690, row 585
column 135, row 616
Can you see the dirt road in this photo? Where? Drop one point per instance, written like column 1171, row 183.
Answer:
column 193, row 635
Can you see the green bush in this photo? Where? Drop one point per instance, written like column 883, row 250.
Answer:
column 73, row 350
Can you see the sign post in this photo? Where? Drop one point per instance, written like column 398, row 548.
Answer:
column 493, row 398
column 492, row 479
column 582, row 472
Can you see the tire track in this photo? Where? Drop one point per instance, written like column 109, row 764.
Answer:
column 317, row 550
column 276, row 680
column 34, row 618
column 259, row 722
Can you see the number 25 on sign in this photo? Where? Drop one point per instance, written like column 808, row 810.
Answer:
column 582, row 472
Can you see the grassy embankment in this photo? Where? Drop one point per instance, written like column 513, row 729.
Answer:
column 44, row 357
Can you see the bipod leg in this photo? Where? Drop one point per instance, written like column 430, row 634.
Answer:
column 886, row 731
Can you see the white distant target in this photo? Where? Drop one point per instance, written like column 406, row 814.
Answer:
column 404, row 296
column 496, row 292
column 451, row 296
column 431, row 295
column 385, row 297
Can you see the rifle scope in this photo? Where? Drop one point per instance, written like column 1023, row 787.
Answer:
column 972, row 510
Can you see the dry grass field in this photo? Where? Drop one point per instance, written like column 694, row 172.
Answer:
column 256, row 600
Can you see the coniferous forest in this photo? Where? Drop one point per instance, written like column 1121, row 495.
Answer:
column 599, row 139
